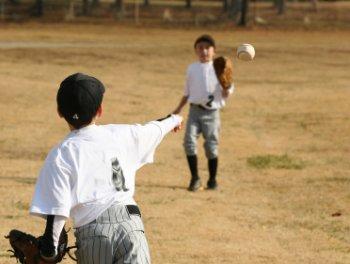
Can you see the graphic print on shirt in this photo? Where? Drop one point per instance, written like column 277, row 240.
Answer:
column 118, row 176
column 211, row 99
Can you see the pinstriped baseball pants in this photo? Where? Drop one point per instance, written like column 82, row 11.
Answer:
column 206, row 122
column 115, row 237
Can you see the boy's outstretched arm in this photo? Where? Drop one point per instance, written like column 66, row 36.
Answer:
column 181, row 105
column 147, row 137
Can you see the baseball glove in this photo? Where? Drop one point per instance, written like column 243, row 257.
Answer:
column 26, row 248
column 224, row 71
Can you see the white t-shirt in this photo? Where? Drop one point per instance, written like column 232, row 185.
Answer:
column 202, row 86
column 94, row 167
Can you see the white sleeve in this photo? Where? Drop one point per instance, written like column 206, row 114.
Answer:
column 148, row 137
column 52, row 194
column 169, row 123
column 58, row 224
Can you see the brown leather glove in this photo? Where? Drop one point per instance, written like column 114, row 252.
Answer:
column 26, row 248
column 224, row 71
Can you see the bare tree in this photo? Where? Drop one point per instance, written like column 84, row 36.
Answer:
column 2, row 12
column 119, row 4
column 314, row 4
column 38, row 9
column 281, row 6
column 225, row 5
column 234, row 9
column 244, row 13
column 95, row 2
column 85, row 7
column 70, row 15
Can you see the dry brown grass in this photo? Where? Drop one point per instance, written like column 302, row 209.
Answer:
column 294, row 99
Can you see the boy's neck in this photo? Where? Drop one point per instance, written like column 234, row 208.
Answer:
column 71, row 128
column 204, row 62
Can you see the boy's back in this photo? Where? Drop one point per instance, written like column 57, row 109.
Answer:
column 93, row 168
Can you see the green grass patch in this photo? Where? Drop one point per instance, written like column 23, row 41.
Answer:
column 275, row 162
column 22, row 206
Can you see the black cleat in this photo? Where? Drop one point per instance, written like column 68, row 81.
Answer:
column 212, row 185
column 195, row 185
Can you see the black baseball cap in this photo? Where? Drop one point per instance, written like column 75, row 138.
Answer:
column 205, row 38
column 79, row 98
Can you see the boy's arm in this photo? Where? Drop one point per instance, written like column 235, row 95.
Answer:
column 169, row 123
column 50, row 240
column 186, row 93
column 181, row 105
column 147, row 137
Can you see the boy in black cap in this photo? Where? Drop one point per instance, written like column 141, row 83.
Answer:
column 90, row 177
column 206, row 97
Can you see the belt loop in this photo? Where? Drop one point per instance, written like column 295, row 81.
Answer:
column 133, row 210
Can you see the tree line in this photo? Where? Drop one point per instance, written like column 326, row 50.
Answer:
column 237, row 10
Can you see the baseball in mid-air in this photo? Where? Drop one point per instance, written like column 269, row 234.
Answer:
column 245, row 52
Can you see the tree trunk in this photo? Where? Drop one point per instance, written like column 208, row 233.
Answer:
column 119, row 9
column 146, row 3
column 235, row 8
column 85, row 7
column 39, row 8
column 314, row 4
column 119, row 4
column 281, row 7
column 188, row 3
column 244, row 13
column 2, row 13
column 225, row 5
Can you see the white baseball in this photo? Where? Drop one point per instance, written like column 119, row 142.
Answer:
column 245, row 52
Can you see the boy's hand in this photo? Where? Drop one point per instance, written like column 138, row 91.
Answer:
column 225, row 93
column 177, row 128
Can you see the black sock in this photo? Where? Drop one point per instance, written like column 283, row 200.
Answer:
column 213, row 166
column 192, row 163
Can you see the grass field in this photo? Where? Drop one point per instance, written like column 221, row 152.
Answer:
column 284, row 153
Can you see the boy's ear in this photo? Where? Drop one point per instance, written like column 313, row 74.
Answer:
column 99, row 111
column 59, row 113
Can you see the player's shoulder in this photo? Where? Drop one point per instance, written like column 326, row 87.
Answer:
column 116, row 128
column 67, row 146
column 122, row 131
column 58, row 153
column 193, row 66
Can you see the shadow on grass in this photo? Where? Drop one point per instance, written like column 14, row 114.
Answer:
column 161, row 186
column 275, row 162
column 26, row 180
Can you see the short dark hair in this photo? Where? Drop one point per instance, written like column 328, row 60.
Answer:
column 205, row 38
column 78, row 99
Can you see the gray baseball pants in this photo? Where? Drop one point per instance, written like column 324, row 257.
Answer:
column 206, row 122
column 115, row 237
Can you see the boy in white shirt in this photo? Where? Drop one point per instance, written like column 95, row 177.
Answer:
column 90, row 177
column 206, row 97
